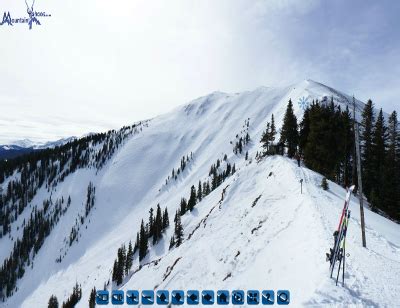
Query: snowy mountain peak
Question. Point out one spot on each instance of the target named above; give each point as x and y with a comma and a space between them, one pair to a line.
252, 228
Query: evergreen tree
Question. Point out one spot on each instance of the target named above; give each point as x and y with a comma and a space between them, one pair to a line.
289, 133
120, 265
129, 259
143, 242
157, 225
53, 302
272, 132
265, 137
368, 119
137, 243
305, 129
92, 298
171, 242
378, 151
165, 219
392, 169
323, 138
183, 206
151, 223
199, 192
348, 129
115, 271
178, 231
192, 199
74, 298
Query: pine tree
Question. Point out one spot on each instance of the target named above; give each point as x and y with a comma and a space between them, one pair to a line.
348, 148
323, 138
165, 219
143, 242
289, 133
129, 259
137, 243
183, 206
53, 302
92, 298
272, 132
199, 192
368, 119
378, 151
392, 168
151, 223
305, 129
120, 265
178, 231
157, 225
265, 137
171, 242
192, 199
115, 271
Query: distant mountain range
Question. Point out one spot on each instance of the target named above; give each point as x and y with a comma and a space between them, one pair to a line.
25, 146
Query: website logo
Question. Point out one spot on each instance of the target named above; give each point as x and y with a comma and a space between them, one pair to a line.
31, 20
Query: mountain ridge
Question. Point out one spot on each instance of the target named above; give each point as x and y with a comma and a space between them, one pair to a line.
135, 178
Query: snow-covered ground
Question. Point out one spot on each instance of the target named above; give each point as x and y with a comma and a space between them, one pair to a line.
279, 243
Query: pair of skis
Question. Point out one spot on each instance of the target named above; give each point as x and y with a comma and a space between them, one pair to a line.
338, 253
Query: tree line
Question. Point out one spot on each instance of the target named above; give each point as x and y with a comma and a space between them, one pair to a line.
324, 139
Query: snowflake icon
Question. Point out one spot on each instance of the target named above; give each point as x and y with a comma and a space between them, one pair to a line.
303, 103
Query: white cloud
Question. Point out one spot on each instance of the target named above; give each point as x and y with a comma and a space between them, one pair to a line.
108, 64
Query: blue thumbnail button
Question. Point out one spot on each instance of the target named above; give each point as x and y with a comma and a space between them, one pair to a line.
253, 297
148, 297
162, 297
102, 297
283, 297
222, 297
237, 297
192, 297
177, 297
132, 297
207, 297
267, 297
117, 297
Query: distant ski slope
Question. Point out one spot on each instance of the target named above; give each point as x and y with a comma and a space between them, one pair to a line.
281, 241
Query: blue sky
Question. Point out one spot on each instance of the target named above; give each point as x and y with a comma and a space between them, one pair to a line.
98, 64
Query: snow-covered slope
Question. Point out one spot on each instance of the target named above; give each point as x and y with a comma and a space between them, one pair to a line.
279, 243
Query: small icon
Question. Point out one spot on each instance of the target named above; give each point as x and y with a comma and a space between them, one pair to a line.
283, 297
253, 297
237, 297
117, 297
192, 297
177, 297
207, 297
102, 297
162, 297
267, 297
148, 297
303, 103
132, 297
222, 297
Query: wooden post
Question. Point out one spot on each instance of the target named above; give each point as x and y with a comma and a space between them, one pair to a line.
301, 186
359, 190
